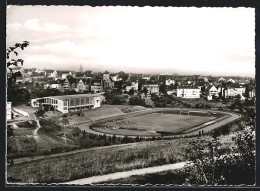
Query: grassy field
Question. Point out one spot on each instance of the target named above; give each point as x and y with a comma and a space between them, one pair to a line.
104, 112
102, 160
152, 123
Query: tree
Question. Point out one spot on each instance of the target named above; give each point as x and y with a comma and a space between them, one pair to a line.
40, 112
114, 139
9, 131
11, 76
145, 91
162, 88
137, 101
131, 91
117, 101
219, 166
52, 108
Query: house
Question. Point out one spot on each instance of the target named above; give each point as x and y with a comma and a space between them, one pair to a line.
232, 81
46, 86
64, 76
96, 85
130, 85
151, 87
169, 82
81, 87
8, 110
66, 84
55, 86
233, 90
114, 77
220, 88
53, 75
212, 91
170, 91
107, 82
188, 92
251, 91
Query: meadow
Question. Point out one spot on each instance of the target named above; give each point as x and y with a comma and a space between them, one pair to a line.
101, 160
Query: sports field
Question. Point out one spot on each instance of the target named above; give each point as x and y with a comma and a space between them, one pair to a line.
152, 124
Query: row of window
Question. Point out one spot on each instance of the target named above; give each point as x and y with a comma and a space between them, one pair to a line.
82, 101
50, 101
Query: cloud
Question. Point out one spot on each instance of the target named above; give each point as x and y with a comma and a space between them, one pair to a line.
151, 38
34, 24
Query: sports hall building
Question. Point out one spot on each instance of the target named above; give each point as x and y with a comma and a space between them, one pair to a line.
65, 103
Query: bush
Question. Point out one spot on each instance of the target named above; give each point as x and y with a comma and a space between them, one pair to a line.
223, 167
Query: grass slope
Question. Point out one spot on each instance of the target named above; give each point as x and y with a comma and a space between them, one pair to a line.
102, 160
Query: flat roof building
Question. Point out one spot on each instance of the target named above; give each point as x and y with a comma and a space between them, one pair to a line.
66, 103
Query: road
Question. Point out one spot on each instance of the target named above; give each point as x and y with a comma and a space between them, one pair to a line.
125, 174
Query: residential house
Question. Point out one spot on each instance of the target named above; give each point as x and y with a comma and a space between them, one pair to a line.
53, 75
232, 81
220, 88
55, 86
188, 92
115, 78
130, 85
251, 91
170, 91
8, 110
66, 84
169, 82
233, 90
151, 87
64, 76
81, 87
96, 85
221, 80
212, 91
107, 82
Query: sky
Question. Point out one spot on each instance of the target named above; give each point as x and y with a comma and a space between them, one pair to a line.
206, 41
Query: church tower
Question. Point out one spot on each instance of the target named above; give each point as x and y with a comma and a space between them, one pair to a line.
81, 69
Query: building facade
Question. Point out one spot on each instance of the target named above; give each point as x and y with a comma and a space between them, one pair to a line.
168, 82
188, 92
8, 110
212, 91
151, 88
66, 103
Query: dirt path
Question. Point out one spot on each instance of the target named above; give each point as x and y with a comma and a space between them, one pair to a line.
35, 132
125, 174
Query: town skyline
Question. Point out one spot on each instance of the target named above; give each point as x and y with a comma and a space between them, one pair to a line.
186, 41
75, 70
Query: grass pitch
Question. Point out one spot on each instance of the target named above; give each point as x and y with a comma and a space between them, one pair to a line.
152, 124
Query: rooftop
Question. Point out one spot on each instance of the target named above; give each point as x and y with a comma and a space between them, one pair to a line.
187, 87
67, 97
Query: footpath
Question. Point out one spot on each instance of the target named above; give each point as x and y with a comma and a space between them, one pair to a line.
125, 174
